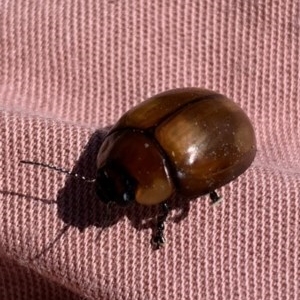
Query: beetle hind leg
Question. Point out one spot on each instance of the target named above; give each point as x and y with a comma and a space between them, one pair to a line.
215, 198
158, 238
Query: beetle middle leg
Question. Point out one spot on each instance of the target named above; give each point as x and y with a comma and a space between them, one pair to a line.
158, 239
215, 198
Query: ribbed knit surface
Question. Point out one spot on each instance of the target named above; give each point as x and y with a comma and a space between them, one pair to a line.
68, 70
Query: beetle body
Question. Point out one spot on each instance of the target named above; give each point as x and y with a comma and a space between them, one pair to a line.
183, 142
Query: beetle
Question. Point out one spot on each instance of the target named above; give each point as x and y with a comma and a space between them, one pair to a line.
181, 143
184, 143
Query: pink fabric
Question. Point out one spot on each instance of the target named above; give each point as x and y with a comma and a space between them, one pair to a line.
68, 68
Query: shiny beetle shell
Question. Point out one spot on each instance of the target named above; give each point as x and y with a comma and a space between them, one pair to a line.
183, 142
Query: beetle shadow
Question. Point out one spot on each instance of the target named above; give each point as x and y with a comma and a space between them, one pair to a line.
77, 203
79, 206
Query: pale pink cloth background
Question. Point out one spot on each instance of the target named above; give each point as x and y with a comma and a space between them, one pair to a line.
68, 68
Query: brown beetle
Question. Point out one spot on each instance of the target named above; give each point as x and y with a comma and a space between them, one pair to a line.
181, 143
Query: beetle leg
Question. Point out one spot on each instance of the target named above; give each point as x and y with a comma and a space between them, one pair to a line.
215, 198
158, 239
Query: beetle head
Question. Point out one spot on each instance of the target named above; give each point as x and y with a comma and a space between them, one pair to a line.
115, 184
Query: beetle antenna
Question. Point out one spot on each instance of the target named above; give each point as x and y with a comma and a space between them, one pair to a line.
58, 169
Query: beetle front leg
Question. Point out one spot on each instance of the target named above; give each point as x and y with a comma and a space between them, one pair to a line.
215, 198
158, 239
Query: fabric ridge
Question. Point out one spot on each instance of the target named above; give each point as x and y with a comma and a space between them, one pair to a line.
68, 71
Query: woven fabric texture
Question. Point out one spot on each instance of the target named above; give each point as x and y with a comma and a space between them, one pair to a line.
68, 70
